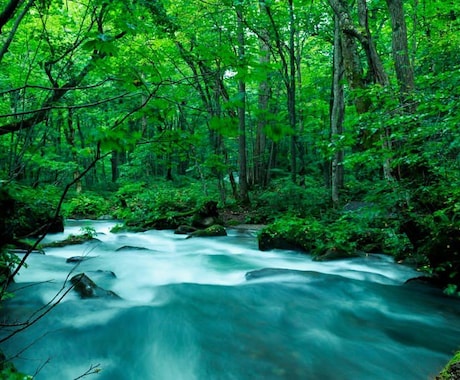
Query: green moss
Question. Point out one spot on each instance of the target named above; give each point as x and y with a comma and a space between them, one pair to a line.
70, 240
334, 236
447, 373
215, 230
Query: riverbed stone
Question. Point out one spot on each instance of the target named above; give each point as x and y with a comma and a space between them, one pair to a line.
215, 230
87, 288
268, 240
78, 259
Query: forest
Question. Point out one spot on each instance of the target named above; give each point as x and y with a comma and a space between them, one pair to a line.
335, 124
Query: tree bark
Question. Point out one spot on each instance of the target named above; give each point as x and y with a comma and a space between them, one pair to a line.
243, 181
351, 61
400, 49
291, 92
260, 155
337, 112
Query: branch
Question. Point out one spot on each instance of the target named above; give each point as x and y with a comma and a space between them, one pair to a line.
13, 3
47, 308
39, 87
42, 114
58, 93
279, 44
8, 13
93, 369
79, 106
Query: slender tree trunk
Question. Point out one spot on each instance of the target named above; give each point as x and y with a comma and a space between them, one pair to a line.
260, 155
243, 181
114, 165
70, 136
291, 90
376, 73
288, 71
337, 112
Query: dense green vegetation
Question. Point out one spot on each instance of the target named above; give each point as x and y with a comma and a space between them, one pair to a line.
335, 123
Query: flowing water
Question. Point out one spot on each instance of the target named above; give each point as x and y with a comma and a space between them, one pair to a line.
188, 311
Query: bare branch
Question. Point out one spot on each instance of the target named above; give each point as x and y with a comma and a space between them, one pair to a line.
92, 370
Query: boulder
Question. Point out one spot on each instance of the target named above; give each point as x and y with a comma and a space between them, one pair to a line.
214, 230
87, 288
206, 216
268, 240
131, 248
78, 259
71, 240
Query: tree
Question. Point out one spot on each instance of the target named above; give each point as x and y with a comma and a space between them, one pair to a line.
337, 114
243, 177
400, 50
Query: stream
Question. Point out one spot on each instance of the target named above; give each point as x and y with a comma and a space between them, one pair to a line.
218, 308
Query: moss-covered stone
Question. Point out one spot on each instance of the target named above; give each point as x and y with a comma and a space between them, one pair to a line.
215, 230
452, 370
70, 240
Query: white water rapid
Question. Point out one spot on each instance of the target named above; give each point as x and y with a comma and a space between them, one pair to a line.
189, 310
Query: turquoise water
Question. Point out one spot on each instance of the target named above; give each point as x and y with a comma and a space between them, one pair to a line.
190, 311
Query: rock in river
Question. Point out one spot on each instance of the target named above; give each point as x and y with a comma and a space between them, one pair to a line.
87, 288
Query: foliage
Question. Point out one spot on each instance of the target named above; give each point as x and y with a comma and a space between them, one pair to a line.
9, 372
88, 233
283, 197
345, 233
87, 205
33, 208
141, 202
147, 95
8, 261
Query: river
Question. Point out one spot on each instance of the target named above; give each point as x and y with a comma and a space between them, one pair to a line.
205, 309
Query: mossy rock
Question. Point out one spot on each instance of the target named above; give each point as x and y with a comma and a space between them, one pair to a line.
335, 254
269, 240
451, 370
70, 240
215, 230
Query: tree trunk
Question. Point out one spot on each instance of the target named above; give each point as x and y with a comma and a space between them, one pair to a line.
291, 89
70, 137
353, 68
400, 50
243, 181
337, 112
376, 72
351, 61
260, 155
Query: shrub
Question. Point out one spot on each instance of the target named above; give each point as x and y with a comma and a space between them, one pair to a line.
86, 205
283, 197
